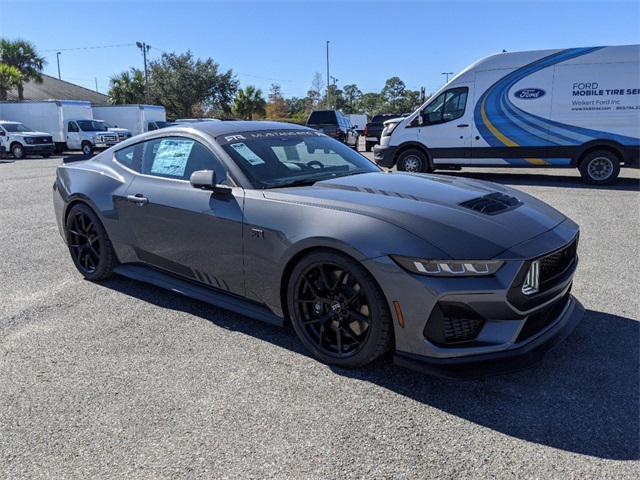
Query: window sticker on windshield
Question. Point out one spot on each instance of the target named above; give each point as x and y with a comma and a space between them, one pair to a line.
247, 154
171, 157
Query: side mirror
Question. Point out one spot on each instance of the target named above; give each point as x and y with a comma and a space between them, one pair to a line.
2, 134
206, 180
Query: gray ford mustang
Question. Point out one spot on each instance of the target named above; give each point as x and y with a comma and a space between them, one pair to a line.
282, 223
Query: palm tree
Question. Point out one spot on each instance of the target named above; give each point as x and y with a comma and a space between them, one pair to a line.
249, 102
22, 55
9, 79
127, 87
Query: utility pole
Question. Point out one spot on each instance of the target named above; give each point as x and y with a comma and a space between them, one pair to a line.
423, 94
96, 79
58, 59
145, 48
447, 74
328, 78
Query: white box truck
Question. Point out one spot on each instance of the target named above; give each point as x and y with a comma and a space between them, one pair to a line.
69, 122
576, 107
358, 121
136, 118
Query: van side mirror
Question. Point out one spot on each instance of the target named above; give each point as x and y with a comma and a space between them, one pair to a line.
206, 180
2, 134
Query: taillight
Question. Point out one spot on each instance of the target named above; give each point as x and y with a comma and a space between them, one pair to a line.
366, 130
338, 132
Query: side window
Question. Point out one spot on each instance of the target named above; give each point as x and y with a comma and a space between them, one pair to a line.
178, 158
130, 156
445, 107
151, 126
454, 104
72, 127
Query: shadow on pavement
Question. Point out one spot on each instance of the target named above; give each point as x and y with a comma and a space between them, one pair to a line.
583, 397
545, 180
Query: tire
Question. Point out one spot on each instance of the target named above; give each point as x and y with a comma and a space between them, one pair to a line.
413, 160
368, 146
600, 167
87, 148
17, 151
88, 243
341, 317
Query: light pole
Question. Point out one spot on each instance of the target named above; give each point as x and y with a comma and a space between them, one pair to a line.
145, 48
58, 59
447, 74
328, 78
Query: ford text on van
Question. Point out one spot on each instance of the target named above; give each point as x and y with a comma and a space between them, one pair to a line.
577, 107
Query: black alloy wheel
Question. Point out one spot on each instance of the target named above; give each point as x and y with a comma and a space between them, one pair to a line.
88, 243
338, 311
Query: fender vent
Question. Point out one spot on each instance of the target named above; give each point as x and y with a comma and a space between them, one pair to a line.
492, 204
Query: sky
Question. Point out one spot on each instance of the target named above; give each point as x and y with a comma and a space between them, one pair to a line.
285, 42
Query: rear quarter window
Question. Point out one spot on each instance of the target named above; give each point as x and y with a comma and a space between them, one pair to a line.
322, 117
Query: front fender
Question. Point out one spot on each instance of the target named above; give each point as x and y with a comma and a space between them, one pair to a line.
276, 233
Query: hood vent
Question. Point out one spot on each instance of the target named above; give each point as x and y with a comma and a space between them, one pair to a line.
492, 204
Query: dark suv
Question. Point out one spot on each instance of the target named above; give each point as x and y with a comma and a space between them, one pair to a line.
334, 124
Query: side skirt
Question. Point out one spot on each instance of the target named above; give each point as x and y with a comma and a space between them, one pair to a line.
197, 292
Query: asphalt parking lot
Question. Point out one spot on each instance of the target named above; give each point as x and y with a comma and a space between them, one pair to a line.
124, 380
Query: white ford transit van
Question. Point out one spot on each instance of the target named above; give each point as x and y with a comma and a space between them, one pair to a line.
577, 107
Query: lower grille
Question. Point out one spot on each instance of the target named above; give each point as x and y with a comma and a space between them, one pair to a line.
453, 323
42, 140
539, 321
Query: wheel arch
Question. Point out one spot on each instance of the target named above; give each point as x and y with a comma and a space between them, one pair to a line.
293, 259
607, 145
403, 147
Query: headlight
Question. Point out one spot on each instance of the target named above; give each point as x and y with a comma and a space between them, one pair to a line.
449, 268
389, 128
28, 140
97, 139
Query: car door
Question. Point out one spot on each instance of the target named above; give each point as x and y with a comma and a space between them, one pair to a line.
73, 136
446, 126
189, 232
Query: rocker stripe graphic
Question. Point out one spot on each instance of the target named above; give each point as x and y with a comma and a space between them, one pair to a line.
501, 123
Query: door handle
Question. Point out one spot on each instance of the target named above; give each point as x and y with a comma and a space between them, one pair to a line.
137, 199
462, 125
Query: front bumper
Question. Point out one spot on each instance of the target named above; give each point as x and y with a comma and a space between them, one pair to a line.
385, 156
46, 149
505, 326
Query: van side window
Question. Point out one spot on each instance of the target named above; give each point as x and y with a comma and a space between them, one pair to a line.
447, 106
72, 127
151, 126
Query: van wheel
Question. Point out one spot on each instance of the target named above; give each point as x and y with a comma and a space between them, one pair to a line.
87, 148
18, 151
600, 167
368, 146
413, 160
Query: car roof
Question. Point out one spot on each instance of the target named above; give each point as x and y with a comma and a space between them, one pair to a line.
215, 129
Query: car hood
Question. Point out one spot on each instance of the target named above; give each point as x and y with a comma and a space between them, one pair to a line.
429, 206
32, 134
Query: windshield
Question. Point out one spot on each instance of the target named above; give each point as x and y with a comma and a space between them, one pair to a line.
16, 127
279, 158
92, 126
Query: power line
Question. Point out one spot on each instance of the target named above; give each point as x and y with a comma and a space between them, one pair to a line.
89, 48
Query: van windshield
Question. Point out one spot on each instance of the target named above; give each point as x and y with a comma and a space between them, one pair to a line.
16, 127
92, 126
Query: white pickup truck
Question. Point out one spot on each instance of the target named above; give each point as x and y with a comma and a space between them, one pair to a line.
19, 140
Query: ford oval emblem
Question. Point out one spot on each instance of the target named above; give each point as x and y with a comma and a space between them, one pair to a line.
529, 93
